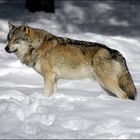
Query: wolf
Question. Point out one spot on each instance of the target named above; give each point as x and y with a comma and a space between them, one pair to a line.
57, 57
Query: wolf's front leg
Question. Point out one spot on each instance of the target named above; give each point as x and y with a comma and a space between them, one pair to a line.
49, 84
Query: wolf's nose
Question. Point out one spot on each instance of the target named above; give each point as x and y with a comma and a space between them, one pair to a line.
7, 49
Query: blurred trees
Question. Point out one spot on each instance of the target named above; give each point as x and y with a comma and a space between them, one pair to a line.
40, 5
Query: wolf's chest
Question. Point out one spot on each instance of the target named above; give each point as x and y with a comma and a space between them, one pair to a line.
37, 67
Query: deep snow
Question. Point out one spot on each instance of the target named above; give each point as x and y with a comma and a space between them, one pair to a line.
80, 108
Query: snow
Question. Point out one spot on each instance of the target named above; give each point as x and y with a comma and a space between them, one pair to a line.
79, 109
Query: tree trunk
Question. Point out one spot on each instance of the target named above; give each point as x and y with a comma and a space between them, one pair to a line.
40, 5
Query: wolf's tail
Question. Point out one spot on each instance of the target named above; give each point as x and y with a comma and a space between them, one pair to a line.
125, 80
126, 84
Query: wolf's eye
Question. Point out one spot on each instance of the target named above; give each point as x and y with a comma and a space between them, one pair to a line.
16, 40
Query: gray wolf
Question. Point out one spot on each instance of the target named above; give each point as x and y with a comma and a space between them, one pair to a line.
59, 57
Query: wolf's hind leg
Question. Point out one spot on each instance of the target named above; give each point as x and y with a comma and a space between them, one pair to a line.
107, 75
112, 86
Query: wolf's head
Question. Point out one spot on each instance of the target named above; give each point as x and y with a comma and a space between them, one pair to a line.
18, 38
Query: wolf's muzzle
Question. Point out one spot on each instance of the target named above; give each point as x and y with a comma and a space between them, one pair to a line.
7, 49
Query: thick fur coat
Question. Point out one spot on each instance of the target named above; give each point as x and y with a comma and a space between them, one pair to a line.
57, 57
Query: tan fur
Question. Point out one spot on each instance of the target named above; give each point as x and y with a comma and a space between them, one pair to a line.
56, 57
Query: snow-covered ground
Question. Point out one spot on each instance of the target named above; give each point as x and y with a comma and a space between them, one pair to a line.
79, 109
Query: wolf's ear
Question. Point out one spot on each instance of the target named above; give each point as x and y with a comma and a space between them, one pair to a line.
11, 26
25, 28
